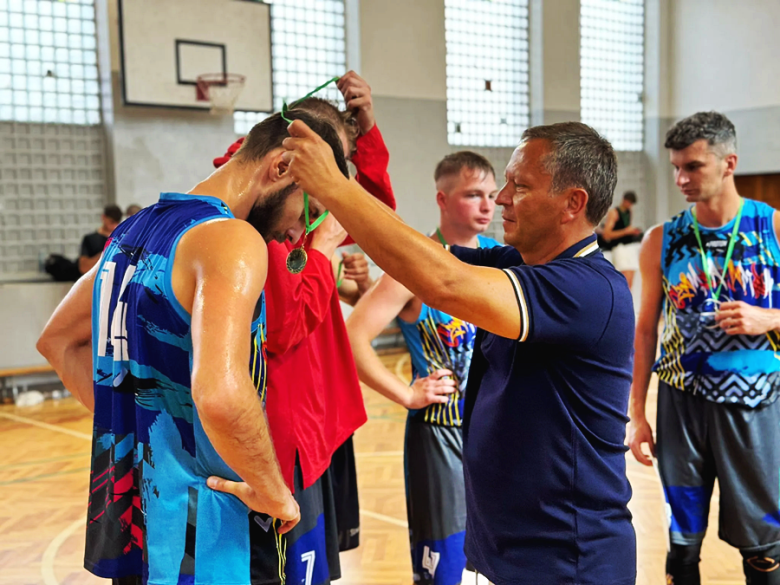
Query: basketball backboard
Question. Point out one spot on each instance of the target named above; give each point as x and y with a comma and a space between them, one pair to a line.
166, 44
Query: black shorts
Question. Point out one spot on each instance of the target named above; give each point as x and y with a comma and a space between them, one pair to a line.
343, 475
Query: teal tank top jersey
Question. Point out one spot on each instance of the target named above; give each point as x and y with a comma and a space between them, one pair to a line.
696, 355
438, 341
150, 511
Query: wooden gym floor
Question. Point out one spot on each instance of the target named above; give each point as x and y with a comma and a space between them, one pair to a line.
44, 471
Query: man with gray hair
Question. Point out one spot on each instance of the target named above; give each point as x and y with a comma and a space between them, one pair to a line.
544, 425
714, 270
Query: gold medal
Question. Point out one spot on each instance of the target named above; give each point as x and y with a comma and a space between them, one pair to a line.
296, 260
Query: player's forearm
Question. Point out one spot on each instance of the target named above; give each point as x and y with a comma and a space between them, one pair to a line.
235, 424
86, 263
374, 374
644, 357
73, 364
774, 319
349, 293
363, 286
431, 274
325, 246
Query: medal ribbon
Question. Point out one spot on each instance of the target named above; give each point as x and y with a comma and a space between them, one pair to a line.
285, 109
441, 237
729, 251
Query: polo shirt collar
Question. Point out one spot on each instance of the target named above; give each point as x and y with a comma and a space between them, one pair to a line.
586, 247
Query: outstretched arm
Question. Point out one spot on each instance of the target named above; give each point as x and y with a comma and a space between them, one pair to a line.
482, 296
66, 341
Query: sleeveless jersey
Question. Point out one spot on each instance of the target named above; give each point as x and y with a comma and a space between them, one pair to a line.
150, 511
438, 341
697, 356
623, 221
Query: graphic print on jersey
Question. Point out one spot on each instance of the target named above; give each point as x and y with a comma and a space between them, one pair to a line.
149, 447
696, 355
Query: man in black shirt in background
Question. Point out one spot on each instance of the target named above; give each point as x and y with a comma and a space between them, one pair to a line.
623, 238
92, 245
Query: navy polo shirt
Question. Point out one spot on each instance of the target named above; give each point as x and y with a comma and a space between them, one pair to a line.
545, 423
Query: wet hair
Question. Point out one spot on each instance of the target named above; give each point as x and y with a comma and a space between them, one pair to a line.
269, 134
714, 127
342, 121
579, 158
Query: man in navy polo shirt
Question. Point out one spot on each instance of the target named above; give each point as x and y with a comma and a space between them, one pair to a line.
544, 457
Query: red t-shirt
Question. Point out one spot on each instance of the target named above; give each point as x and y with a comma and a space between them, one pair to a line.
314, 402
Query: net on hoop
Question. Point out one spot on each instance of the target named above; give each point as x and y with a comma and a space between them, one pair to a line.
221, 89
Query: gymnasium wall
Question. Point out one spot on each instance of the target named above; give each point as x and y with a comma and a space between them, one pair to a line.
710, 55
153, 149
692, 63
725, 59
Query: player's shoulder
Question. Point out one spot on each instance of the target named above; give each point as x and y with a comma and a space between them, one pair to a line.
225, 241
227, 230
653, 240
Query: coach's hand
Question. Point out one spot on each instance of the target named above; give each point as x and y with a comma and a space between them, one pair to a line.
357, 95
284, 509
433, 389
310, 162
738, 318
639, 433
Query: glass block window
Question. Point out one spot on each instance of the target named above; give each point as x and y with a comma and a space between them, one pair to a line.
487, 71
308, 46
243, 122
48, 62
612, 69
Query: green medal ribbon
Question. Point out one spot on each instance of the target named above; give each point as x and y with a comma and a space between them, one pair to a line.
441, 237
296, 260
285, 108
339, 278
729, 251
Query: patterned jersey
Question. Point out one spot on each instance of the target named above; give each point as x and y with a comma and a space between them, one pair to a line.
150, 512
696, 355
438, 341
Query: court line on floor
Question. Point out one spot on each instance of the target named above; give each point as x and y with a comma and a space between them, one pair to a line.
43, 461
44, 476
50, 554
399, 368
47, 426
383, 518
380, 454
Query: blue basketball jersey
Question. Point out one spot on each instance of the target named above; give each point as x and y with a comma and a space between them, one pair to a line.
150, 511
439, 341
696, 355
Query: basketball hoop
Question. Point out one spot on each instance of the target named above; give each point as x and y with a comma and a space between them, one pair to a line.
221, 89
